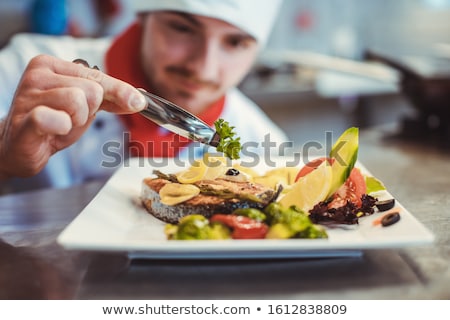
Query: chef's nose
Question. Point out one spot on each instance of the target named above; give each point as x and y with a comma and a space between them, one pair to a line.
207, 60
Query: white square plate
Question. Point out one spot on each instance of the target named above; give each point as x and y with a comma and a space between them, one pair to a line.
116, 221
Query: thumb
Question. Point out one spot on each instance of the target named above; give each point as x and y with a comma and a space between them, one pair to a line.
28, 150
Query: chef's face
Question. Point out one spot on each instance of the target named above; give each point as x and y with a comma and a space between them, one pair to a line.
193, 60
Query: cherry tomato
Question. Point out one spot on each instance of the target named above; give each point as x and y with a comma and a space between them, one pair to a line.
352, 190
242, 227
310, 166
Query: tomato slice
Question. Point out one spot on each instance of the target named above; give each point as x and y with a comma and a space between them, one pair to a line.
243, 227
312, 165
352, 190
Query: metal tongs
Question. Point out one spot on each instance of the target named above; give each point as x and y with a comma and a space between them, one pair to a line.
173, 118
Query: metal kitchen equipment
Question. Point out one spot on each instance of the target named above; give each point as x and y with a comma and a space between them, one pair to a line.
173, 118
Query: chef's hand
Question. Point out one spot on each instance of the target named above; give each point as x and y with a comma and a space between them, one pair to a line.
54, 104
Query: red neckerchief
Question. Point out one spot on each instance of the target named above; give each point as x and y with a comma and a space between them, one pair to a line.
146, 138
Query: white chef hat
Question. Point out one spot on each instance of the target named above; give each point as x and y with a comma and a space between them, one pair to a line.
255, 17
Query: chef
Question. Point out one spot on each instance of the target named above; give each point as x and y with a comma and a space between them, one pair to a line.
191, 52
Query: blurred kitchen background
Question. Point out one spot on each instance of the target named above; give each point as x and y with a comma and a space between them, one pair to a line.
328, 65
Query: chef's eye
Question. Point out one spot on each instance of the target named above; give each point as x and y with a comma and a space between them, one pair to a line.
240, 42
181, 27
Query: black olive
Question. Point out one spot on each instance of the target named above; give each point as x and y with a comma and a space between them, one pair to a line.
390, 219
232, 172
385, 204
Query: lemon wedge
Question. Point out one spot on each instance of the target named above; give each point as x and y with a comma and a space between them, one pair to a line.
215, 166
210, 159
284, 176
287, 175
310, 189
195, 173
208, 168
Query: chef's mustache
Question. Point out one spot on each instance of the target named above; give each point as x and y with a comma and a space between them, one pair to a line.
192, 76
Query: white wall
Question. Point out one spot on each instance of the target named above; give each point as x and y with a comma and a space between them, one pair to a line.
346, 27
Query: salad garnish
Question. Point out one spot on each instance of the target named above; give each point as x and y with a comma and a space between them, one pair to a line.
347, 214
228, 144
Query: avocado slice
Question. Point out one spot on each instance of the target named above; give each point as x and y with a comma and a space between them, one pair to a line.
344, 152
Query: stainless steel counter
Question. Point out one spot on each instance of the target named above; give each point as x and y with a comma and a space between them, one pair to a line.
33, 266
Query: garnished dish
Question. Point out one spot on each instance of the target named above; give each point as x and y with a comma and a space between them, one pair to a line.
313, 212
217, 198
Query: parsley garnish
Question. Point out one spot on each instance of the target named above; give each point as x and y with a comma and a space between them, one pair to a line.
229, 145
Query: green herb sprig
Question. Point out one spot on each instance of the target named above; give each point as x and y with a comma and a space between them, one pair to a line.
228, 144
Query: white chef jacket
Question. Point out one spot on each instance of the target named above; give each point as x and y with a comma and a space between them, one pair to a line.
86, 159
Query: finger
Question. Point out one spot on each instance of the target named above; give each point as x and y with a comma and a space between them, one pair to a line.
114, 108
44, 121
71, 100
119, 93
47, 121
43, 82
66, 140
119, 96
94, 94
